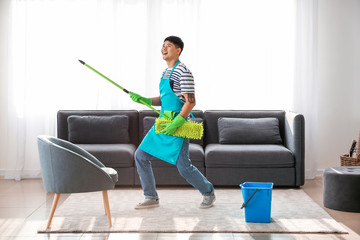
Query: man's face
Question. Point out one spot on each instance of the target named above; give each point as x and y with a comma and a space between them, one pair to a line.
169, 51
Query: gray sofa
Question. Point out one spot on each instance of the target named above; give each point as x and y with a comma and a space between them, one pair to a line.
238, 145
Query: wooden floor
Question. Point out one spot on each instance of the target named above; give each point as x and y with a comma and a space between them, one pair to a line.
24, 205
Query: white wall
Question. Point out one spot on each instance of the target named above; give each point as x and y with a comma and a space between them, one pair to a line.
4, 15
339, 78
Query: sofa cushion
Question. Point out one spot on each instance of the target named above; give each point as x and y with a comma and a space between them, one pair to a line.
246, 155
196, 154
112, 155
197, 141
98, 129
148, 122
249, 131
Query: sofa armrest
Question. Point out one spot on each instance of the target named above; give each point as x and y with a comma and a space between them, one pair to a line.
295, 142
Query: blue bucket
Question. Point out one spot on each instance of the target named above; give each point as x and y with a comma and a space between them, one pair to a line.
257, 201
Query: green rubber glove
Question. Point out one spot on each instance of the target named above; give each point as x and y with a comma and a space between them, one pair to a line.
136, 98
171, 127
170, 114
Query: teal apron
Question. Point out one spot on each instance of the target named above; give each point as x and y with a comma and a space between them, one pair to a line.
165, 147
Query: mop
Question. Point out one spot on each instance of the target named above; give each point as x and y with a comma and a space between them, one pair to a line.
189, 129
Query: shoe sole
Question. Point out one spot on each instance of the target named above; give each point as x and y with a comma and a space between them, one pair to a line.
209, 206
147, 206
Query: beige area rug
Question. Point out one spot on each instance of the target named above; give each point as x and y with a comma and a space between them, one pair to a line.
292, 212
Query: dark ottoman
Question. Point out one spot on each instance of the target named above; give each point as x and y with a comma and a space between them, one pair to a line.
342, 188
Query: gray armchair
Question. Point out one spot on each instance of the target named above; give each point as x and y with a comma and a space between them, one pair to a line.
67, 168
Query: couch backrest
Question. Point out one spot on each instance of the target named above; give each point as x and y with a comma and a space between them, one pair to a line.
142, 115
211, 119
136, 127
133, 115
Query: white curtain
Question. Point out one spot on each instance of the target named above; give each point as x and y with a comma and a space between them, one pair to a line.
306, 80
241, 53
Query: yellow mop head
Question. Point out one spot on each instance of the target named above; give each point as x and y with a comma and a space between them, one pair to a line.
189, 129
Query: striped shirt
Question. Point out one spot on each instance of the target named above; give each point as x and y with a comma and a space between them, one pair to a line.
181, 80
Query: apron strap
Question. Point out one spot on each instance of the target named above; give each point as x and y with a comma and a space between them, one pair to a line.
192, 115
177, 62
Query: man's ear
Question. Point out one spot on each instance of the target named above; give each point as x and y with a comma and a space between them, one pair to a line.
178, 50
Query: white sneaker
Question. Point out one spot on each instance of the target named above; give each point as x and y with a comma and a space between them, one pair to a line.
148, 203
208, 201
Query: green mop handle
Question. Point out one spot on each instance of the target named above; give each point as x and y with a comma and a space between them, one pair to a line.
83, 63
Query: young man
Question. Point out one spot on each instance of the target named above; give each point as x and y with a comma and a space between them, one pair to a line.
177, 99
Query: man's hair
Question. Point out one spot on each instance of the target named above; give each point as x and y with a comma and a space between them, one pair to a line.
176, 41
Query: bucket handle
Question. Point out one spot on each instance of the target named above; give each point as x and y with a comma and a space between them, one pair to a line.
244, 204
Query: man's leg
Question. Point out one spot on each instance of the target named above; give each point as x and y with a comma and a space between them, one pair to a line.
144, 169
190, 173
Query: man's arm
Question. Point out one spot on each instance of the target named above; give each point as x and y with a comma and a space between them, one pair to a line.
189, 104
156, 101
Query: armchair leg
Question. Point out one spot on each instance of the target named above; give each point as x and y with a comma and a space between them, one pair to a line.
107, 206
53, 207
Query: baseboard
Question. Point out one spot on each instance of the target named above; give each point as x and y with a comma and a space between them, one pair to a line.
319, 172
309, 174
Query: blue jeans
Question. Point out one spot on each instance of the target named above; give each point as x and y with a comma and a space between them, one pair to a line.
188, 171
